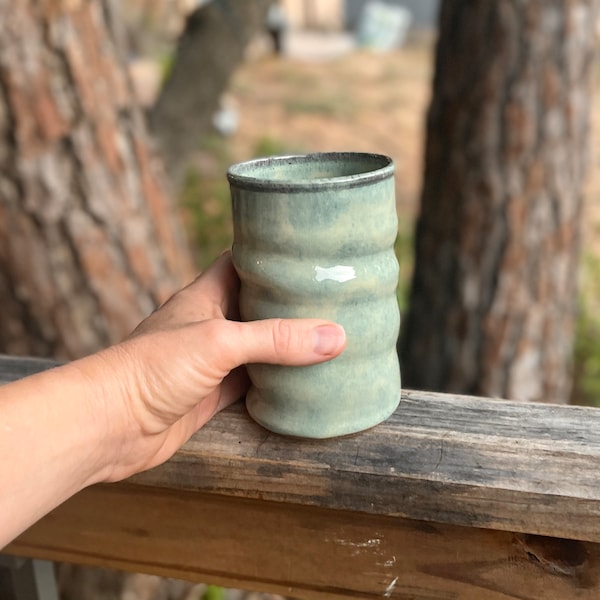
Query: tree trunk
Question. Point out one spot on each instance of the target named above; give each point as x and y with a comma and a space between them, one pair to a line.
494, 289
89, 241
209, 50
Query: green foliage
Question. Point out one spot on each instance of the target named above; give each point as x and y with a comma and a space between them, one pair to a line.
587, 336
165, 63
206, 203
405, 252
208, 214
213, 592
269, 146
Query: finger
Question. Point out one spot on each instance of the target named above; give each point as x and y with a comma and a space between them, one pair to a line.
280, 341
217, 286
213, 294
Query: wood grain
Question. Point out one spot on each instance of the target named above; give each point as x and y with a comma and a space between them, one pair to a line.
453, 497
307, 552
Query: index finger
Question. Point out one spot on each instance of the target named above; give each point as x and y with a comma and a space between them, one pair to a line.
212, 295
218, 285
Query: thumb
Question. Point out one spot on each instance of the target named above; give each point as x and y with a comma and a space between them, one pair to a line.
294, 342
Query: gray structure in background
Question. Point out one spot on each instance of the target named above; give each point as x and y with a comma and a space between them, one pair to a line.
424, 12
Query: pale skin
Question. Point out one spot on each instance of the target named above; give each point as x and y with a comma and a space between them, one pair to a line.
130, 407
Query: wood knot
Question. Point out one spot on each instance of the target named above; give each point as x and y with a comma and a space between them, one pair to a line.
555, 555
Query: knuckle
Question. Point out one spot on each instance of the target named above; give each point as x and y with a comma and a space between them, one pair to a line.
285, 338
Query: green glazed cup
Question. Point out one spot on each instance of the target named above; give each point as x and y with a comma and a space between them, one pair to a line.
314, 237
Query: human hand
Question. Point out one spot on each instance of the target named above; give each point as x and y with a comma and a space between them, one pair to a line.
183, 364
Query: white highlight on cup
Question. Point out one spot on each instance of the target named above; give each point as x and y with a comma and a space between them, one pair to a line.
339, 273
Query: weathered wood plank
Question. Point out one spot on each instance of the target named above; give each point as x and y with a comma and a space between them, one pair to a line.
444, 459
307, 552
526, 468
15, 367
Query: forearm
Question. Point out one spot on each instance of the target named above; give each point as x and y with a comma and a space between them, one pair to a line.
52, 444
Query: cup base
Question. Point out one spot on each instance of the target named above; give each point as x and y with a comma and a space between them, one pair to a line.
313, 428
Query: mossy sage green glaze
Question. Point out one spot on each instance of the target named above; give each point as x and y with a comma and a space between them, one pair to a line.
313, 237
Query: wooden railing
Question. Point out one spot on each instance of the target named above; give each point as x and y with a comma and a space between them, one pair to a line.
452, 498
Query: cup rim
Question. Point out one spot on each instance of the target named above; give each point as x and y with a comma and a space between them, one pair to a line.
238, 176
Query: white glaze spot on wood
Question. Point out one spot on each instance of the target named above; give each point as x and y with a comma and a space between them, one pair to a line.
391, 562
390, 588
361, 547
372, 543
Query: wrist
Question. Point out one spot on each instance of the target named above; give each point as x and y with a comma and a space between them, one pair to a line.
104, 397
85, 422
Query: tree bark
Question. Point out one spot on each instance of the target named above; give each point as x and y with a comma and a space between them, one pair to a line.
209, 50
494, 288
89, 240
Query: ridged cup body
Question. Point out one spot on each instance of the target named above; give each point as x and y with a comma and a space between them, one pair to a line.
313, 237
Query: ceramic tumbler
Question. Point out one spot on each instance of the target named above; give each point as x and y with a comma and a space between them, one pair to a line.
314, 237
